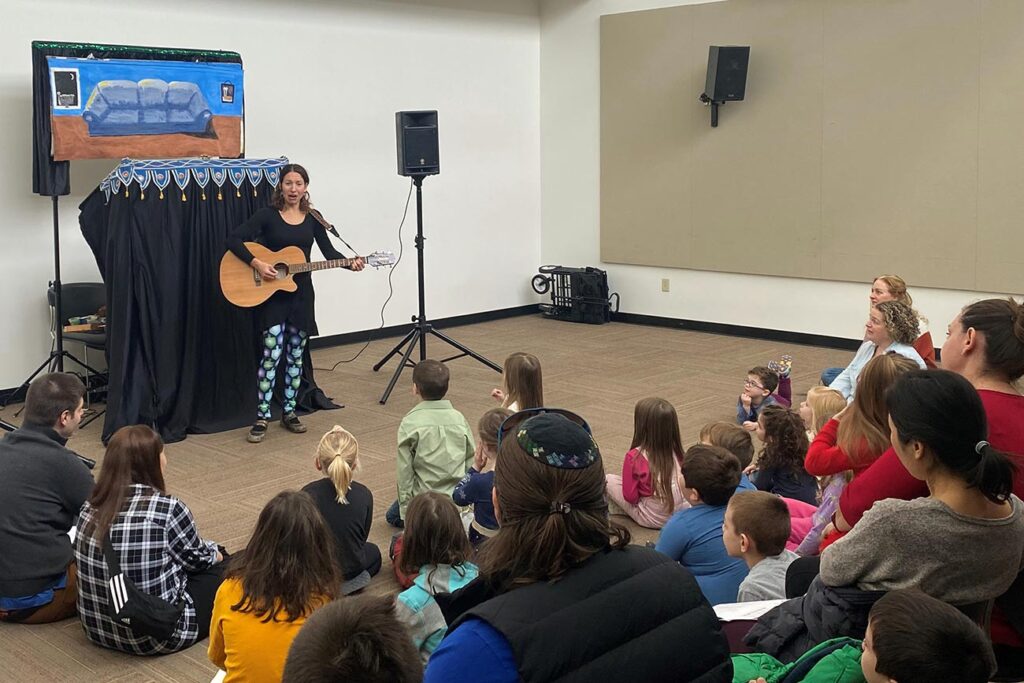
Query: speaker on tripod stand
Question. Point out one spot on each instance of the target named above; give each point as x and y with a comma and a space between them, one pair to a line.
418, 157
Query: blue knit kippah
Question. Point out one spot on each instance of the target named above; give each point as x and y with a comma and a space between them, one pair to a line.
557, 441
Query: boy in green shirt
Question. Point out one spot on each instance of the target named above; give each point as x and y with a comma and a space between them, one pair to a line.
435, 442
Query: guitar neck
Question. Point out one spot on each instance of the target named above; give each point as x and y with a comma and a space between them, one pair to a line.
320, 265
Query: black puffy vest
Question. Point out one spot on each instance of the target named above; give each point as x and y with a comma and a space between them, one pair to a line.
623, 615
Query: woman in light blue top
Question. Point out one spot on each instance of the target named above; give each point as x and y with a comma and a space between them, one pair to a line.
891, 328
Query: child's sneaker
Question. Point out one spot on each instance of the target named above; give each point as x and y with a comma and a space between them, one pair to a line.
782, 366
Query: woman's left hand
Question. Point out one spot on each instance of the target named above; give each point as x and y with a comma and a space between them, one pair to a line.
358, 264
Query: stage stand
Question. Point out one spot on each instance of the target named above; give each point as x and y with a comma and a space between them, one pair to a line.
55, 361
421, 326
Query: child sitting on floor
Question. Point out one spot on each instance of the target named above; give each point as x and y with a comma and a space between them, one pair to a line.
648, 490
758, 393
355, 639
522, 386
286, 572
780, 467
435, 549
822, 405
435, 442
477, 486
347, 508
737, 441
693, 537
911, 638
756, 529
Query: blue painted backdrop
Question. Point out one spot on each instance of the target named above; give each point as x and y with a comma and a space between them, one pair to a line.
207, 75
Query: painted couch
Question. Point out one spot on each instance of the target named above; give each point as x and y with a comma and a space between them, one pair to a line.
149, 107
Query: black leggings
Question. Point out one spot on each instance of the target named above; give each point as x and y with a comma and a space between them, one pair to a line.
202, 586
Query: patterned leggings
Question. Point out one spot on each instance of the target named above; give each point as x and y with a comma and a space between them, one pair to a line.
273, 346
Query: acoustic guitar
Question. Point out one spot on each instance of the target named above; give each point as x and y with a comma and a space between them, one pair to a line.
245, 287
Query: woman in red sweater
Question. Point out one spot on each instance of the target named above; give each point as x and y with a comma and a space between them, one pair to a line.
854, 438
985, 344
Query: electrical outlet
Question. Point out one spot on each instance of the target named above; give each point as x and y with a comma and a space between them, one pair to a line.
664, 284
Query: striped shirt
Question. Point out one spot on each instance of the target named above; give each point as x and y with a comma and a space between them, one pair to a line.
157, 544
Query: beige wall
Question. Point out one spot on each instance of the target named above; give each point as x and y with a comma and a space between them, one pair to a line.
875, 137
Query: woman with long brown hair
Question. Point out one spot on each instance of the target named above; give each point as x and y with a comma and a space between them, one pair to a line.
858, 435
560, 574
286, 572
648, 491
286, 319
155, 539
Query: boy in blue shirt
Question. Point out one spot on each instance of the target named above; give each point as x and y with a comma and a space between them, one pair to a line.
693, 536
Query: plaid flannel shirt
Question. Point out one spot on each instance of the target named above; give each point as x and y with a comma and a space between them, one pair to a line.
157, 544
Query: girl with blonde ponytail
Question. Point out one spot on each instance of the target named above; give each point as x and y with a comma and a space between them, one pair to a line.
346, 506
337, 456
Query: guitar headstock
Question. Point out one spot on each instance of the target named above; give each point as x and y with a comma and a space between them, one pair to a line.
380, 259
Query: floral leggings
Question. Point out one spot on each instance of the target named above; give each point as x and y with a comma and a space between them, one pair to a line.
274, 344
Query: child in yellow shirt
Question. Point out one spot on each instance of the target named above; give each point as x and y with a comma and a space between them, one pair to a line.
287, 571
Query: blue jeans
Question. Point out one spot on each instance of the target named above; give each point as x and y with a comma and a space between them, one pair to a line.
393, 517
829, 375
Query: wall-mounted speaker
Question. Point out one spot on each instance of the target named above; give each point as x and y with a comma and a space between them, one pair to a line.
727, 73
416, 133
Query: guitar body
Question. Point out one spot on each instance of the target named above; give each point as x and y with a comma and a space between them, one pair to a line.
241, 284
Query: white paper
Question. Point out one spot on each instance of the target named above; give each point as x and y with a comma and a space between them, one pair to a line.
745, 611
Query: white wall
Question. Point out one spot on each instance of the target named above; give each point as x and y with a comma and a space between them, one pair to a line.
323, 80
570, 175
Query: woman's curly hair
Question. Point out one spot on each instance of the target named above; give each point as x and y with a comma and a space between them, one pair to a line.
785, 440
901, 321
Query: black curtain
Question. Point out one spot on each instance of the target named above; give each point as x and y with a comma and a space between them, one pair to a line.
51, 178
181, 358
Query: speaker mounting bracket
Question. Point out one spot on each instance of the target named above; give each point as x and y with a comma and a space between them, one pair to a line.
708, 102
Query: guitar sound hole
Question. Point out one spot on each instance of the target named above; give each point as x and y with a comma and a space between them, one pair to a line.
282, 270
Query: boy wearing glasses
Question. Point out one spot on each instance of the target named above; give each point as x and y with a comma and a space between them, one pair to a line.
758, 392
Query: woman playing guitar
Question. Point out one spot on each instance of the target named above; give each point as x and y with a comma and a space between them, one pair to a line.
287, 318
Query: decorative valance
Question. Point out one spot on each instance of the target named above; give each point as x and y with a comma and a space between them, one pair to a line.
183, 172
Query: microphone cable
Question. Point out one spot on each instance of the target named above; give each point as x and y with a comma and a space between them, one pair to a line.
391, 286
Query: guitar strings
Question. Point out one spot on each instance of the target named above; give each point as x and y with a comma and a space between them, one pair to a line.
391, 286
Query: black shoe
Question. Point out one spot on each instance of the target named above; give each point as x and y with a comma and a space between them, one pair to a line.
257, 432
291, 422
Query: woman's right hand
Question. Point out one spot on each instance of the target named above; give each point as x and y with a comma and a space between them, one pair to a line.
498, 395
266, 271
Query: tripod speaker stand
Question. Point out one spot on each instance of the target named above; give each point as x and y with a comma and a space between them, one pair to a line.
421, 326
55, 361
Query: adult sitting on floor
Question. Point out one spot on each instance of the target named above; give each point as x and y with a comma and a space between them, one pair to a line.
153, 537
985, 344
42, 487
883, 288
891, 328
571, 599
962, 544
